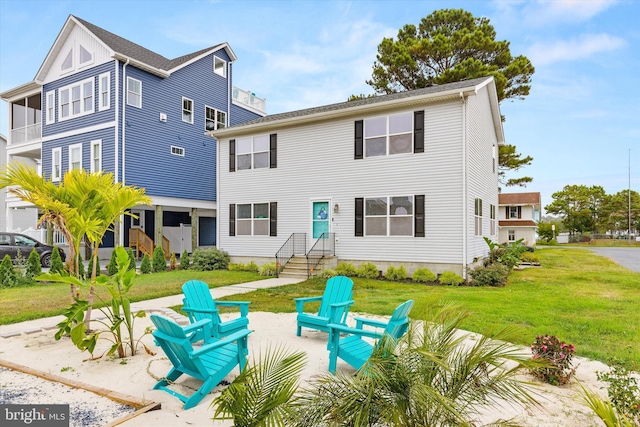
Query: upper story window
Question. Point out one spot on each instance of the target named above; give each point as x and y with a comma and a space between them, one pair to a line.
386, 135
96, 155
76, 99
104, 91
478, 217
75, 156
85, 56
51, 106
514, 212
67, 64
134, 92
253, 153
214, 119
220, 66
187, 110
56, 164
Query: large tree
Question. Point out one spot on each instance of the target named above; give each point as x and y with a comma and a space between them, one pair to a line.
580, 206
448, 46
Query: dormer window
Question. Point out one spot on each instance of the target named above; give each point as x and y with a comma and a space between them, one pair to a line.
220, 66
67, 64
85, 56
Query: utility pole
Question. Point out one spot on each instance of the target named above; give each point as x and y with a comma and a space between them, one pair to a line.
629, 195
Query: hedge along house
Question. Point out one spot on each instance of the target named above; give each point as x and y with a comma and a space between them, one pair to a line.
402, 179
103, 103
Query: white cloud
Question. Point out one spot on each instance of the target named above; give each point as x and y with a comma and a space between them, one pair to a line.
583, 47
546, 13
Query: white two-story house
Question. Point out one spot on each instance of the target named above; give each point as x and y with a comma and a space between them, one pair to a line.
519, 214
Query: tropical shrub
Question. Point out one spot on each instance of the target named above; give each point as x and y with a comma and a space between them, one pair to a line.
495, 274
424, 275
111, 267
34, 268
145, 264
184, 260
159, 260
557, 355
346, 269
605, 410
90, 267
210, 259
623, 390
450, 278
8, 277
393, 273
56, 262
173, 261
328, 273
368, 270
268, 269
132, 259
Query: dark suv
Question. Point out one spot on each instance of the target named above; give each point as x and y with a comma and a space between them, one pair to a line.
11, 243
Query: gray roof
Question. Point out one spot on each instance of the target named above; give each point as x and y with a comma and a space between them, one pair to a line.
137, 52
367, 101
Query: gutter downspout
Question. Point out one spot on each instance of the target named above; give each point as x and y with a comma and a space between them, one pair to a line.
465, 215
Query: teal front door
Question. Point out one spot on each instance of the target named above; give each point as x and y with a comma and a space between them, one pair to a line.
320, 219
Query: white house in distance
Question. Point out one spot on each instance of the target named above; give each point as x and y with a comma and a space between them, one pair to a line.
402, 179
519, 214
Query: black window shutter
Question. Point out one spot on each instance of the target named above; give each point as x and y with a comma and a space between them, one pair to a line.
273, 219
359, 217
232, 155
232, 220
418, 131
273, 151
359, 140
507, 208
519, 212
419, 216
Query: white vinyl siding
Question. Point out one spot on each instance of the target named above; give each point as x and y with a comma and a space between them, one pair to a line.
96, 155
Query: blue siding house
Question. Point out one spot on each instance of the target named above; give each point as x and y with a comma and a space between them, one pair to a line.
101, 102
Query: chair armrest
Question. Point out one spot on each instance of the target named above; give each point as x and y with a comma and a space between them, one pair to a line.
354, 331
360, 321
207, 347
341, 308
196, 325
243, 305
301, 301
199, 310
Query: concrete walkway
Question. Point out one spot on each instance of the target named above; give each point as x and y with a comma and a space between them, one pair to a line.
158, 305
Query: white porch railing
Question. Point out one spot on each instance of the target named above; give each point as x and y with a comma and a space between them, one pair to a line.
40, 234
27, 133
249, 98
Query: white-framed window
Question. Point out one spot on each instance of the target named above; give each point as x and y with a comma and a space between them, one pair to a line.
252, 153
56, 164
50, 106
67, 64
177, 151
76, 99
75, 156
388, 135
219, 66
96, 155
389, 216
85, 56
478, 217
104, 91
214, 119
512, 235
252, 219
134, 92
187, 110
513, 212
492, 220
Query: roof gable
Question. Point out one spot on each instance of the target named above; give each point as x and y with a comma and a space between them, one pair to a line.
532, 198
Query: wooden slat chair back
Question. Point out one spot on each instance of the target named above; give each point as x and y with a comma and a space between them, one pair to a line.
210, 363
352, 348
199, 305
338, 292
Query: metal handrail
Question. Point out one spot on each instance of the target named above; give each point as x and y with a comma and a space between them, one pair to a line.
325, 245
295, 244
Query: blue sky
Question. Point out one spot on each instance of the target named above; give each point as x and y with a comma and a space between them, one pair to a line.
578, 123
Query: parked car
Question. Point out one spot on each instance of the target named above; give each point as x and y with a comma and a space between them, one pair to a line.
11, 243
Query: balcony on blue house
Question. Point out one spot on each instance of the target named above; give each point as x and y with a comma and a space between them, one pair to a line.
25, 138
246, 98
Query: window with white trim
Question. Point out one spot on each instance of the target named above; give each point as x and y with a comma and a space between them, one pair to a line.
214, 119
252, 153
177, 151
104, 91
512, 235
96, 155
478, 217
75, 156
220, 66
56, 164
134, 92
252, 219
85, 56
76, 99
388, 216
388, 135
187, 110
492, 220
513, 212
50, 107
67, 64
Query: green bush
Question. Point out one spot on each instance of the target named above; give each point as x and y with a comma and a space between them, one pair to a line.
8, 277
56, 262
210, 259
495, 275
34, 268
184, 260
145, 265
268, 269
159, 260
328, 273
346, 269
557, 355
132, 259
368, 270
393, 273
90, 266
111, 267
450, 278
252, 266
529, 257
424, 275
623, 390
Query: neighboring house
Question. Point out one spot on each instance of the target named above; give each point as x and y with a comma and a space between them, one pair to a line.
402, 179
101, 102
519, 214
3, 192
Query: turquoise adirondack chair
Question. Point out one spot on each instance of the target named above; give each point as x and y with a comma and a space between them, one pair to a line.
210, 363
352, 348
338, 292
199, 304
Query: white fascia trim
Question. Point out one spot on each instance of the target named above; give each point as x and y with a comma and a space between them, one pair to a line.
21, 91
80, 131
182, 203
224, 46
141, 65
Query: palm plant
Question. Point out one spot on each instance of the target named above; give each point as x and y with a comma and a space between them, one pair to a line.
604, 409
263, 393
